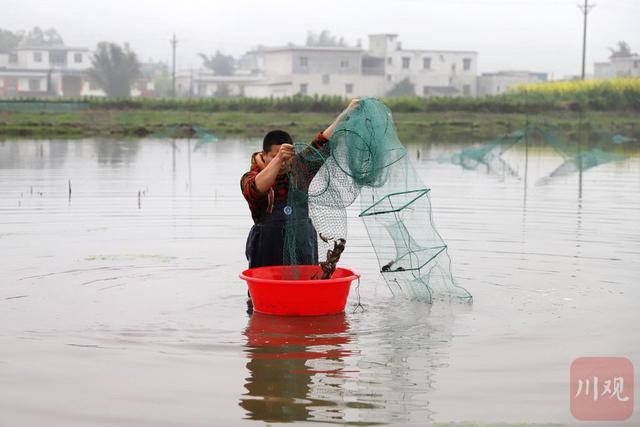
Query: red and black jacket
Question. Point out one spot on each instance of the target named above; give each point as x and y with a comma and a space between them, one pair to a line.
261, 204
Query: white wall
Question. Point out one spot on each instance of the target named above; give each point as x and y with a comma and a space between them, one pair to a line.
84, 57
445, 69
497, 84
337, 84
26, 59
626, 67
278, 64
23, 84
602, 70
264, 90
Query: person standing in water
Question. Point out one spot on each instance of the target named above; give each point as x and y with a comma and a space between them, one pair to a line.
265, 187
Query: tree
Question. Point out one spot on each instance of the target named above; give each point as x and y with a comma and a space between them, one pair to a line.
220, 64
324, 38
9, 40
623, 50
114, 68
38, 37
402, 88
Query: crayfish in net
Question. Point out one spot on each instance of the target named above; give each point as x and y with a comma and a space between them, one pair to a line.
328, 267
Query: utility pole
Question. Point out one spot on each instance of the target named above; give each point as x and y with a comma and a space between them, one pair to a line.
586, 8
173, 42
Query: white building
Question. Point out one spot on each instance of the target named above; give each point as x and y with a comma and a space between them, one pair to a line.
491, 84
44, 70
54, 71
432, 72
618, 66
312, 71
354, 71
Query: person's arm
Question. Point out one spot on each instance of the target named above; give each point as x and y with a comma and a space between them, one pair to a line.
267, 176
328, 132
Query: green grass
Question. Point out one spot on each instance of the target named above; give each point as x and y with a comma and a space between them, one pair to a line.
421, 126
592, 95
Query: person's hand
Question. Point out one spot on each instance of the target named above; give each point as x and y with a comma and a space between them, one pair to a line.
353, 104
285, 153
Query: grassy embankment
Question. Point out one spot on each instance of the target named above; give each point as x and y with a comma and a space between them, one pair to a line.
612, 104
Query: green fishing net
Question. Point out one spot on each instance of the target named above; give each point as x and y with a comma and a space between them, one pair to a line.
589, 147
365, 159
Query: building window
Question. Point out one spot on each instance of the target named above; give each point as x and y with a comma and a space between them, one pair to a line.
406, 62
13, 58
202, 89
37, 56
77, 58
58, 57
425, 90
325, 79
304, 61
466, 90
426, 63
390, 61
348, 88
636, 64
388, 77
303, 88
344, 63
34, 85
466, 64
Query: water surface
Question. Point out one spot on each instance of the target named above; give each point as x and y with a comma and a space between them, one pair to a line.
120, 302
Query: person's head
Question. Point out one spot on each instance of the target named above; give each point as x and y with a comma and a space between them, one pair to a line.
272, 142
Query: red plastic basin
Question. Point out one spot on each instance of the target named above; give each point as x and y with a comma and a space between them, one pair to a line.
289, 291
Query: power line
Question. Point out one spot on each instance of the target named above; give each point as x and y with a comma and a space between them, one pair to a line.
586, 8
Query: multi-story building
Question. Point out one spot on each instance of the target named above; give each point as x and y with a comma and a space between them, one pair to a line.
432, 72
354, 71
312, 71
54, 71
44, 70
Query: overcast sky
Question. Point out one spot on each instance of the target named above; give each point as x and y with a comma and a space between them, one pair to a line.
535, 35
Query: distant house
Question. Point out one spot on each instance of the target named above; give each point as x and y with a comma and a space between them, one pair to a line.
30, 70
432, 72
44, 70
497, 83
620, 64
311, 70
354, 71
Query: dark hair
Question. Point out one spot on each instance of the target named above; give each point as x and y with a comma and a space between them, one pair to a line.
275, 137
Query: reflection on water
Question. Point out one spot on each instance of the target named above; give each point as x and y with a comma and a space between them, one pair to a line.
553, 270
282, 386
372, 368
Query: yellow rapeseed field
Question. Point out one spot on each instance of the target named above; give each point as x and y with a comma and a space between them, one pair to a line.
575, 87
